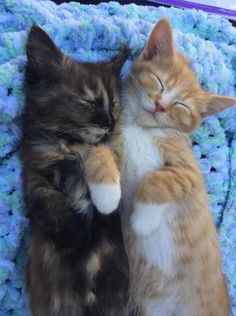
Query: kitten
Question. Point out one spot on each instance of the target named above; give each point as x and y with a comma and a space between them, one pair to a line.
170, 236
77, 261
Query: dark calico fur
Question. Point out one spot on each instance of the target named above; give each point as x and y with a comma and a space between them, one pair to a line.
77, 262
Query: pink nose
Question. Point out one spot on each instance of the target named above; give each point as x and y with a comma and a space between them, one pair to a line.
159, 107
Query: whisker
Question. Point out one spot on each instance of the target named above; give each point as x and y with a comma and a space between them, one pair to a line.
138, 86
140, 89
65, 132
173, 125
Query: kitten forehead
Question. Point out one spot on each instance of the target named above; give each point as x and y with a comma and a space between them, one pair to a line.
100, 87
100, 91
104, 95
90, 94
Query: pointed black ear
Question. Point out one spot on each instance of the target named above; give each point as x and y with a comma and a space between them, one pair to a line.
118, 61
42, 54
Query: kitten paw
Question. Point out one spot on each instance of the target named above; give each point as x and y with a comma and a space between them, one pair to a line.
106, 197
146, 218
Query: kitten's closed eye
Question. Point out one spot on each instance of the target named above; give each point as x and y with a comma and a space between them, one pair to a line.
160, 83
154, 83
181, 104
91, 103
181, 113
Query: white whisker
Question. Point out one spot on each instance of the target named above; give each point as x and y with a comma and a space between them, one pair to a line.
66, 132
140, 89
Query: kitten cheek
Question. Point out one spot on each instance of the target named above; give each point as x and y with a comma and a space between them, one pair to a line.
106, 197
181, 115
146, 218
147, 104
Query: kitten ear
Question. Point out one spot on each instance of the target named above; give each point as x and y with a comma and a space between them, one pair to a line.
217, 103
118, 61
160, 42
42, 54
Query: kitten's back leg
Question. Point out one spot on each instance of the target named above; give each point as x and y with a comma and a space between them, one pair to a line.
49, 282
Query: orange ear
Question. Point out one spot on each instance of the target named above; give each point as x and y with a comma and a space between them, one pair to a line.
160, 42
217, 103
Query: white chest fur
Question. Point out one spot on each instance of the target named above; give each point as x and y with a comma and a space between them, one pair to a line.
140, 157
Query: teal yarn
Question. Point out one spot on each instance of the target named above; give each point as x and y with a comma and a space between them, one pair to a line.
90, 33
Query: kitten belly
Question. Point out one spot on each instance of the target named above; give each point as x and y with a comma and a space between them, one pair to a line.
141, 156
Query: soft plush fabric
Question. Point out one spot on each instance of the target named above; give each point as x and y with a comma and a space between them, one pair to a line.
96, 32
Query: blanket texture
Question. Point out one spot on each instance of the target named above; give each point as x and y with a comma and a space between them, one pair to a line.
92, 33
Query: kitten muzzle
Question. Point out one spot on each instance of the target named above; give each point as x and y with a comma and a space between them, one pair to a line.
159, 107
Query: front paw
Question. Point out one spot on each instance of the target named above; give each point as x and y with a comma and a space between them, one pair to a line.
106, 197
146, 217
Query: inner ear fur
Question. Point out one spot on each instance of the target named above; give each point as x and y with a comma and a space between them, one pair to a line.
160, 43
217, 103
44, 57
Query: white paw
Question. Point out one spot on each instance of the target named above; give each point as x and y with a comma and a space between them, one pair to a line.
106, 197
146, 217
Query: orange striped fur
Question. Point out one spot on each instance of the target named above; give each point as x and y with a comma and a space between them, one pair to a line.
101, 166
171, 239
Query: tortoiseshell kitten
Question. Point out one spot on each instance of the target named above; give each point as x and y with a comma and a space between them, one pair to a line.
77, 261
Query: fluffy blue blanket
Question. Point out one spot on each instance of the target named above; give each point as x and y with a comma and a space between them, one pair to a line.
96, 32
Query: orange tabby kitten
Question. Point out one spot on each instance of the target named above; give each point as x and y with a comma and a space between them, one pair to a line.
171, 240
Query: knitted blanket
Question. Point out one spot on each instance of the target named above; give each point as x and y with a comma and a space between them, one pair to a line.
93, 33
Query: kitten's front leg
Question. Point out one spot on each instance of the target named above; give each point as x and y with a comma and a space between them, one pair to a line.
160, 189
103, 179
